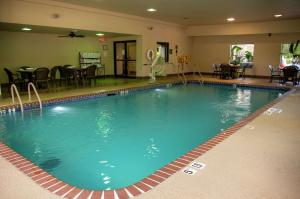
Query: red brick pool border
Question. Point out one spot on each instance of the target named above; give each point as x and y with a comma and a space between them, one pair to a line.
65, 190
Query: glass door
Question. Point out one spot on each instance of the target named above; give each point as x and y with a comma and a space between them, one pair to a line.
125, 58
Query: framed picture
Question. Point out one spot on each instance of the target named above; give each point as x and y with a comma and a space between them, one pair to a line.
105, 47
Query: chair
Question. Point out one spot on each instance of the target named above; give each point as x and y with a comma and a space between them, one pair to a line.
63, 75
216, 69
67, 75
90, 74
225, 71
275, 73
41, 77
53, 72
290, 73
12, 78
242, 69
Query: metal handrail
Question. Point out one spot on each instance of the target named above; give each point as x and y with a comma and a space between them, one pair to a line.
13, 91
36, 93
200, 75
180, 74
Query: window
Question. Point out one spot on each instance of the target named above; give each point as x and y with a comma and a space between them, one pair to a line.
240, 53
164, 53
286, 56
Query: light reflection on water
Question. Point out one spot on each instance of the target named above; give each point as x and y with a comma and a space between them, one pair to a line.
152, 150
104, 123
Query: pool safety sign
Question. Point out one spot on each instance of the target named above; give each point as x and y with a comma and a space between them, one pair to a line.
193, 168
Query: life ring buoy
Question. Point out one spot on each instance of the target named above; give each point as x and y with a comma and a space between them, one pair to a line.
150, 54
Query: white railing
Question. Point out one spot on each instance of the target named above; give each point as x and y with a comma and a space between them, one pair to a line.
201, 80
31, 85
180, 74
13, 91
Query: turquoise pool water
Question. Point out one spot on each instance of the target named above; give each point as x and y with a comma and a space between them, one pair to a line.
115, 141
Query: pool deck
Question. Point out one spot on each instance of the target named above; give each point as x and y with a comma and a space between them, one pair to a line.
260, 160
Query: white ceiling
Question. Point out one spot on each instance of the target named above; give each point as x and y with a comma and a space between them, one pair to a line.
53, 30
199, 12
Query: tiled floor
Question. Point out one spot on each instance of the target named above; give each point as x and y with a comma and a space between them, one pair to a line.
259, 161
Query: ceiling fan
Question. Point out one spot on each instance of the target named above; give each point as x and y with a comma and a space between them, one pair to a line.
72, 34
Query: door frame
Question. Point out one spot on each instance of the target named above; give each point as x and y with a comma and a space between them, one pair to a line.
125, 60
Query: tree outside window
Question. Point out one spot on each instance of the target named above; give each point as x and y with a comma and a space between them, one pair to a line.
164, 52
241, 53
289, 54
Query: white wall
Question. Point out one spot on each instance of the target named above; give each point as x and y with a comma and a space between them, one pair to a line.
41, 50
208, 50
39, 12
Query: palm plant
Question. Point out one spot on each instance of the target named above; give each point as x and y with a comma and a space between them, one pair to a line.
248, 56
236, 55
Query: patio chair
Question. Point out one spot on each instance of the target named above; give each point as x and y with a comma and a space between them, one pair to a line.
290, 73
12, 78
53, 79
67, 75
216, 70
275, 73
41, 77
242, 70
225, 71
90, 74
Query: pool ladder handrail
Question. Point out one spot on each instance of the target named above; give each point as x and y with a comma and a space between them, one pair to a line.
13, 91
180, 74
31, 85
201, 80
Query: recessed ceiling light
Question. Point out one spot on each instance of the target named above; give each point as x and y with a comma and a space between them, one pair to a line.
278, 15
230, 19
100, 34
151, 10
26, 29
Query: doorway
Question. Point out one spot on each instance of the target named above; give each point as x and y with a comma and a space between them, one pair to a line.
125, 58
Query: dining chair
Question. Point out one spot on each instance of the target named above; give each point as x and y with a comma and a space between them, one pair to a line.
53, 79
216, 70
242, 70
68, 76
90, 74
41, 77
225, 71
12, 78
275, 73
290, 74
